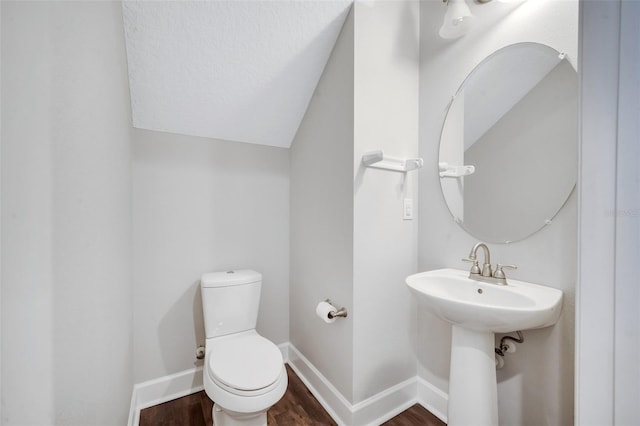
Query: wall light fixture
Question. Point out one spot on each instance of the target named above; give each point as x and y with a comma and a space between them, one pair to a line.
458, 19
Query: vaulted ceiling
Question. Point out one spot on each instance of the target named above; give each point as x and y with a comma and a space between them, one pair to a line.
239, 70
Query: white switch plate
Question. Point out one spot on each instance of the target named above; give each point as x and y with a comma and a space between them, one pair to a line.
407, 209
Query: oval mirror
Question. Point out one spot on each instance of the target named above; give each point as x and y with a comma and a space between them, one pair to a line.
508, 148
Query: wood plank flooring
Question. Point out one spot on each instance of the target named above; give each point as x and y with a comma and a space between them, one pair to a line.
297, 407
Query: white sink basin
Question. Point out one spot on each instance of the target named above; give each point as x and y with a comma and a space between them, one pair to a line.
477, 310
486, 307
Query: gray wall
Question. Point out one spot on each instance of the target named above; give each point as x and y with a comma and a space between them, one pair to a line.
385, 245
322, 218
608, 320
71, 229
349, 241
203, 205
66, 229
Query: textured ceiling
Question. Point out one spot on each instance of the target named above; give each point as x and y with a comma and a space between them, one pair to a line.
240, 70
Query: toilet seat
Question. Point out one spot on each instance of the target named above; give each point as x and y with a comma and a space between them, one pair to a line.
245, 363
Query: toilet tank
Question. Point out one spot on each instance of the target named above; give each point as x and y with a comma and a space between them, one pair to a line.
230, 301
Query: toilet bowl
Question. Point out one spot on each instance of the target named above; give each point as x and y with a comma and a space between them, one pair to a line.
244, 373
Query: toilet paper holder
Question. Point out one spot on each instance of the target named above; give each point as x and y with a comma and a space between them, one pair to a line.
342, 312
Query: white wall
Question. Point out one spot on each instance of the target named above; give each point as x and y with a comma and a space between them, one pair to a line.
322, 219
384, 245
203, 205
529, 391
66, 338
348, 239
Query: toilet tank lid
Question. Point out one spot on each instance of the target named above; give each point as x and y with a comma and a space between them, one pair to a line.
228, 278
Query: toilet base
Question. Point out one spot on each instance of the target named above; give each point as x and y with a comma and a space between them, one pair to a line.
222, 417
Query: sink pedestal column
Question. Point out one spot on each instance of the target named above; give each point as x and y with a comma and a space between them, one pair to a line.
473, 388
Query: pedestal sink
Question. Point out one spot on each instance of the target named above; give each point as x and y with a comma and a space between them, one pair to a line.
476, 311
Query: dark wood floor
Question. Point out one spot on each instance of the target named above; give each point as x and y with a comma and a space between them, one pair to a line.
297, 407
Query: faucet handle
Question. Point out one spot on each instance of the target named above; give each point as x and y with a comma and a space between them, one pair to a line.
499, 273
475, 269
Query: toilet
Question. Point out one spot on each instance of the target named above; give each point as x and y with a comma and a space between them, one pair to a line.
244, 373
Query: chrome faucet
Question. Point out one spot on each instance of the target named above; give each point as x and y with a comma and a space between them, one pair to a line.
486, 274
473, 257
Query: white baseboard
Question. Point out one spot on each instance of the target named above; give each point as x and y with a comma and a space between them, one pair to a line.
284, 348
163, 389
167, 388
381, 407
433, 399
327, 395
371, 412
